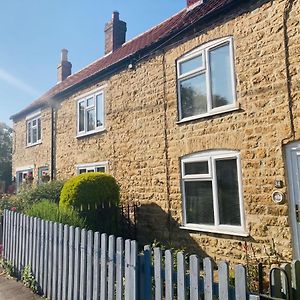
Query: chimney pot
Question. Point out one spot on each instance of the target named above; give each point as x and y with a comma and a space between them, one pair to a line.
64, 55
115, 33
193, 2
64, 69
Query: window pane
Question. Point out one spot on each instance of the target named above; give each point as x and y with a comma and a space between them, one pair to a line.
81, 116
34, 123
199, 202
199, 167
193, 96
220, 72
34, 135
90, 101
228, 192
90, 119
39, 129
91, 170
29, 132
190, 65
100, 112
100, 169
81, 171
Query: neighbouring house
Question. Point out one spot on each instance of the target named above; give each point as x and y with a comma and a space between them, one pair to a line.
198, 120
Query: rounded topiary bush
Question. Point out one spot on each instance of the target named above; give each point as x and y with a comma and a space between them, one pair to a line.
89, 190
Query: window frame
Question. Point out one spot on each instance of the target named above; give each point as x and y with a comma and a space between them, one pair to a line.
84, 98
213, 156
29, 120
204, 51
92, 166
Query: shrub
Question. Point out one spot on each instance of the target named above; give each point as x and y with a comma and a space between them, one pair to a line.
50, 211
89, 191
11, 203
33, 193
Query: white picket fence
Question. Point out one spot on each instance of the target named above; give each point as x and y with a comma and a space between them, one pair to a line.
72, 263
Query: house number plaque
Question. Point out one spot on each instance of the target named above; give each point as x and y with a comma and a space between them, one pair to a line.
278, 197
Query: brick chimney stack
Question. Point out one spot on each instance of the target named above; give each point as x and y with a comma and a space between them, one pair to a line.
115, 33
64, 69
192, 2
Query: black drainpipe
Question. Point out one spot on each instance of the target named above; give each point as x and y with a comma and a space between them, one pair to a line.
53, 136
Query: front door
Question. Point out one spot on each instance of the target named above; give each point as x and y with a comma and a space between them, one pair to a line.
292, 152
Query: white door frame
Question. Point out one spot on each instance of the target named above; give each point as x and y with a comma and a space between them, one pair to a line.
292, 153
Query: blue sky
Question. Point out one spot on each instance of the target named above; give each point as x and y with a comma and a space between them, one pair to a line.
33, 32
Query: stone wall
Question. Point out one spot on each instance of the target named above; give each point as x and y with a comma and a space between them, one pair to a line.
143, 142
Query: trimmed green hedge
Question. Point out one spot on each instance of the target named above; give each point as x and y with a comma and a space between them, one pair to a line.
89, 190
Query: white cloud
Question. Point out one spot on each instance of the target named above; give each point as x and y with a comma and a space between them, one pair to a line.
17, 83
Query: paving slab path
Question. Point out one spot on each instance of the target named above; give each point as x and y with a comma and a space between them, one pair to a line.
11, 289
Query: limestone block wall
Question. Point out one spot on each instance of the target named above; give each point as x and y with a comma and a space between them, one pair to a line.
37, 155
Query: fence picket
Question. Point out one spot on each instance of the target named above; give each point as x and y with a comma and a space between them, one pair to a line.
64, 244
14, 240
208, 279
89, 263
38, 247
103, 282
157, 273
76, 264
71, 263
119, 269
50, 260
54, 261
223, 270
194, 277
23, 247
133, 269
41, 257
46, 258
296, 279
240, 282
30, 242
34, 238
96, 266
127, 270
169, 274
147, 273
82, 285
287, 290
4, 241
60, 260
181, 271
17, 242
111, 267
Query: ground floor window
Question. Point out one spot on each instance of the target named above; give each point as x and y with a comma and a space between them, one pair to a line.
92, 167
212, 192
24, 176
43, 175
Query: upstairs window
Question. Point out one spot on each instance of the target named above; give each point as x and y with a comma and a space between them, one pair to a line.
212, 192
90, 114
92, 167
34, 131
205, 79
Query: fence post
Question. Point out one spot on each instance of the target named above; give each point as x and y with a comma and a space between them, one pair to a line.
46, 258
76, 264
147, 273
54, 262
50, 260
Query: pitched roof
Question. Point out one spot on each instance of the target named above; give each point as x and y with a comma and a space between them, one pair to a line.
156, 35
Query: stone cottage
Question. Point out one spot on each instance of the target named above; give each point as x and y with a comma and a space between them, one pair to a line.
197, 119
